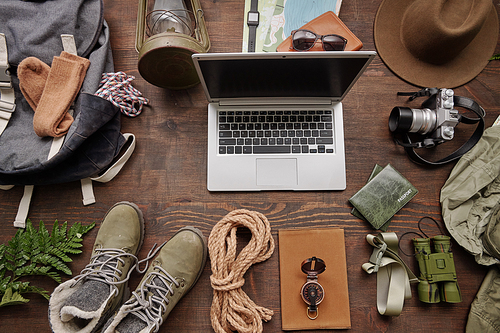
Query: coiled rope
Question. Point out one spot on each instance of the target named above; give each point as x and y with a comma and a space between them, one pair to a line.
117, 88
232, 309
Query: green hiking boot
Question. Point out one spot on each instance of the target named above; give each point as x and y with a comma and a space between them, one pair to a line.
172, 274
85, 302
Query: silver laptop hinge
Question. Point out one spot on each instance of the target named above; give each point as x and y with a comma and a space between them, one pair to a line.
287, 102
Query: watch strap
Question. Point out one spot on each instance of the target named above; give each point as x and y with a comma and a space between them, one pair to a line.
254, 5
252, 35
252, 28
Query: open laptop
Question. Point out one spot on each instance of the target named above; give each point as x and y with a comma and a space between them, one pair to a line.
275, 119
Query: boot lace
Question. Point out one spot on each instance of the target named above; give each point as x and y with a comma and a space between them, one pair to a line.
152, 299
103, 267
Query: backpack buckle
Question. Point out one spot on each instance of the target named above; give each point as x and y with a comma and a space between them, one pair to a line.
7, 107
5, 81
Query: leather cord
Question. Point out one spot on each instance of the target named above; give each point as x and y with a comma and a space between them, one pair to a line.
394, 276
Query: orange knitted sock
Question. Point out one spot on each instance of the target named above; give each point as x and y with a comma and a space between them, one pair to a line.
63, 84
32, 73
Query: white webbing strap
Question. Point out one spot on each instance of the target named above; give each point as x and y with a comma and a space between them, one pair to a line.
87, 191
7, 107
24, 207
111, 172
7, 96
5, 81
393, 275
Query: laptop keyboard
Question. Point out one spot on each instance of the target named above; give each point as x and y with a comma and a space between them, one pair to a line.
276, 132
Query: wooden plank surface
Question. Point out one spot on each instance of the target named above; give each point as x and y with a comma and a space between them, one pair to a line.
166, 177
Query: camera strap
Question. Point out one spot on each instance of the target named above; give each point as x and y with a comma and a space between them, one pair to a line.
460, 101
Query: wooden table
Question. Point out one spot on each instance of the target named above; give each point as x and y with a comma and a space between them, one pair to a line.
166, 177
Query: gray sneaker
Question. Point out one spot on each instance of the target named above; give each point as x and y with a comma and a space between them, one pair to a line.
85, 302
172, 274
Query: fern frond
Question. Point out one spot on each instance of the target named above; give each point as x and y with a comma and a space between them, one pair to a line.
72, 250
36, 290
48, 260
18, 285
43, 237
495, 57
59, 253
33, 252
4, 282
25, 270
12, 298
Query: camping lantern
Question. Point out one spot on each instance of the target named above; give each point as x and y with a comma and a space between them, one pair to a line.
166, 37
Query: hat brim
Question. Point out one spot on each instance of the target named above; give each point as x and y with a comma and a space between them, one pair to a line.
463, 68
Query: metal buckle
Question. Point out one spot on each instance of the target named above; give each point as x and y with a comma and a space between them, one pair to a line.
376, 257
5, 81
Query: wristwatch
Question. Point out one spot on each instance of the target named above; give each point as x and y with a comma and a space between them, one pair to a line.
312, 292
252, 22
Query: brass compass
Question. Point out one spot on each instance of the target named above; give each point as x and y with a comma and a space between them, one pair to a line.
312, 292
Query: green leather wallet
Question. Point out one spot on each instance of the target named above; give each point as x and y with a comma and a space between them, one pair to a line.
383, 196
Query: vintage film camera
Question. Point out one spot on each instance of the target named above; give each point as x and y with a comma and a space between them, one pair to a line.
438, 123
434, 123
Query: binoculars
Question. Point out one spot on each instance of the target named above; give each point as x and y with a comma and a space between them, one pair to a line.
438, 278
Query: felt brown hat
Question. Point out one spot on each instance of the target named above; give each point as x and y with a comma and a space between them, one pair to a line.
436, 43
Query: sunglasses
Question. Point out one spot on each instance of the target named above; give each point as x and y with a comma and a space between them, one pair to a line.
304, 40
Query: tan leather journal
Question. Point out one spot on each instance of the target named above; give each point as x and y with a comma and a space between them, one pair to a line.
327, 23
297, 245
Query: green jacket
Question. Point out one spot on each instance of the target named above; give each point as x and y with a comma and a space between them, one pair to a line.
470, 202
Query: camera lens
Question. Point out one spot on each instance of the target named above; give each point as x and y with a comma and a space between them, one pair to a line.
401, 119
406, 120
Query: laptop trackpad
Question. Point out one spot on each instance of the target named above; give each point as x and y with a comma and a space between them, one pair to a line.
277, 171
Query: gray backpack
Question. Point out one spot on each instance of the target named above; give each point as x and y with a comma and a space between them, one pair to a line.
90, 148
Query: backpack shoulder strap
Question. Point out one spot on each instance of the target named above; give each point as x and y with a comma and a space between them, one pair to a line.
69, 46
7, 97
24, 207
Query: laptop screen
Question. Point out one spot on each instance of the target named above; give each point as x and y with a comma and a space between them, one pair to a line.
275, 75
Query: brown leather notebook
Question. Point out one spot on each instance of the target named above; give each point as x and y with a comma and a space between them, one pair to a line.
327, 23
297, 245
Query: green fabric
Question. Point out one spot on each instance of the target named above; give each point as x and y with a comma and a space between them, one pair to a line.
484, 315
470, 201
470, 194
393, 275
